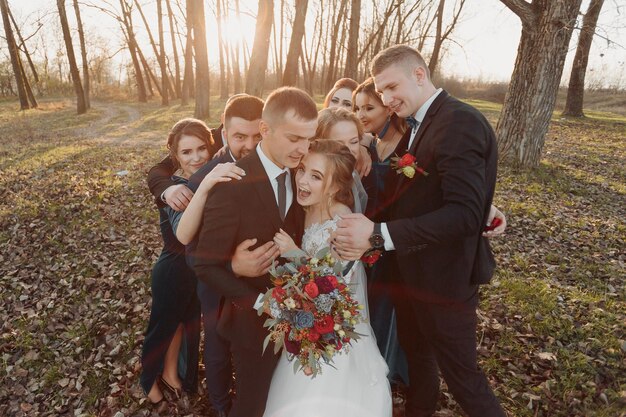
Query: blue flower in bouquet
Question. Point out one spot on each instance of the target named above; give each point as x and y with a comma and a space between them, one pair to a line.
275, 310
324, 303
304, 319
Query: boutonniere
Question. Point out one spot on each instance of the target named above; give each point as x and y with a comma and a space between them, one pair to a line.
406, 165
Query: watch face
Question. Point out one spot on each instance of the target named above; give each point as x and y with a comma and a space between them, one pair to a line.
377, 241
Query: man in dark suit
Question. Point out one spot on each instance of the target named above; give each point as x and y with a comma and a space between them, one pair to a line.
240, 119
255, 207
438, 210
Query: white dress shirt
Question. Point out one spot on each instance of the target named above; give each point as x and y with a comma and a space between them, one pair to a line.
273, 171
419, 116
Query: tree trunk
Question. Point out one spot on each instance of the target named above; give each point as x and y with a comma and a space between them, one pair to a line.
258, 59
188, 84
330, 74
202, 61
290, 76
351, 70
132, 49
81, 106
83, 54
576, 87
546, 31
220, 45
170, 16
21, 90
434, 57
164, 77
23, 43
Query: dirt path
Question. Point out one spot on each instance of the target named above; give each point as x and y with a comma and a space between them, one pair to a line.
121, 124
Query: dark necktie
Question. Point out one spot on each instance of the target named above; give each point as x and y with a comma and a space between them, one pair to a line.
282, 195
412, 122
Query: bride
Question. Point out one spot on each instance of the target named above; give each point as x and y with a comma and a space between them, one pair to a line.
356, 384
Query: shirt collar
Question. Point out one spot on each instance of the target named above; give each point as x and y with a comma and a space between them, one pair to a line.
270, 167
421, 112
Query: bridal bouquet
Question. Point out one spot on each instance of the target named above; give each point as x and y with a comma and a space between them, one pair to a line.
312, 311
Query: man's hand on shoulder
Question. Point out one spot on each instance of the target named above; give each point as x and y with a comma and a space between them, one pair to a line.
253, 263
177, 196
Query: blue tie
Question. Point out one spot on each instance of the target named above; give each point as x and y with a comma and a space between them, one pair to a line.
412, 121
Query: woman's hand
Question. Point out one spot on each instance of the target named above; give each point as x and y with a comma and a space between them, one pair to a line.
363, 162
284, 242
222, 173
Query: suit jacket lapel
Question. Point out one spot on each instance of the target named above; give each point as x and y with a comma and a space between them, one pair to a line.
265, 191
430, 114
421, 131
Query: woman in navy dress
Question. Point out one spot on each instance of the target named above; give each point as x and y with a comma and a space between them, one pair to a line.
387, 131
170, 350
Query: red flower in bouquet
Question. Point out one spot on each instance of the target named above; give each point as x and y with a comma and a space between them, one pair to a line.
324, 285
313, 335
324, 325
311, 289
333, 280
279, 294
291, 346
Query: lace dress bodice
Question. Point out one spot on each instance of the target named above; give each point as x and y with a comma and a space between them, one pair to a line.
317, 236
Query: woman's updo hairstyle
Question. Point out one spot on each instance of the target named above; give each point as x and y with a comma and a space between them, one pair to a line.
341, 164
189, 127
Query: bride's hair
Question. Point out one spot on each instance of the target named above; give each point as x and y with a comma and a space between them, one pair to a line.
189, 127
341, 165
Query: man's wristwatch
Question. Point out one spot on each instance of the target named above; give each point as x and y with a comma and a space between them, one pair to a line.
377, 241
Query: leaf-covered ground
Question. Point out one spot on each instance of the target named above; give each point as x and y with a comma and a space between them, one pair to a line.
79, 234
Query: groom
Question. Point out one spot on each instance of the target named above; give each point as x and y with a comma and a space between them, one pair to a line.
434, 225
255, 207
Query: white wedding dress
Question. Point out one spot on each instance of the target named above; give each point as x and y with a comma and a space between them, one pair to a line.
357, 386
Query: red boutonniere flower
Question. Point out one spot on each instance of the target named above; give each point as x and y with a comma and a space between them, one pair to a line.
406, 165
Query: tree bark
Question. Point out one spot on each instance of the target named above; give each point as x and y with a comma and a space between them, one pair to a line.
330, 74
351, 70
23, 43
164, 77
15, 62
576, 87
132, 49
201, 110
188, 82
290, 76
258, 59
220, 45
546, 31
83, 54
434, 57
81, 106
170, 16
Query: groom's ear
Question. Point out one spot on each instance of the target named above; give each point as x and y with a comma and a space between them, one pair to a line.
264, 128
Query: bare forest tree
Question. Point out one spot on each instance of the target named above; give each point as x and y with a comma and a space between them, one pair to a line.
220, 46
83, 54
81, 105
171, 18
441, 34
290, 75
258, 59
188, 77
24, 49
547, 27
202, 61
576, 88
161, 56
129, 33
15, 58
351, 70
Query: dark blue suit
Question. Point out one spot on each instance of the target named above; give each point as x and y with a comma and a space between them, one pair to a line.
217, 363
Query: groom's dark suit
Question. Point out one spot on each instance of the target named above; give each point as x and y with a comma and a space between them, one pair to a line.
236, 211
435, 223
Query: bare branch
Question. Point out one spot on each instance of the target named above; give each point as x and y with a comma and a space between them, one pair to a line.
521, 8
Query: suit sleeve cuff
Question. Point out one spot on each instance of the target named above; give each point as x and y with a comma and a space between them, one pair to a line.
385, 232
